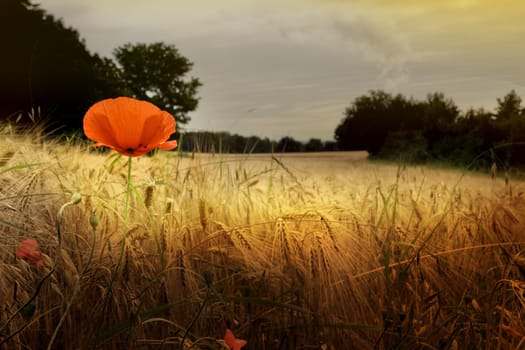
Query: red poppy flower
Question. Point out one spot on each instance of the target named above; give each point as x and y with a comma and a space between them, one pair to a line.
28, 250
129, 126
232, 342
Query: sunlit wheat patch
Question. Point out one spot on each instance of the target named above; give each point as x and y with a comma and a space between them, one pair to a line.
346, 254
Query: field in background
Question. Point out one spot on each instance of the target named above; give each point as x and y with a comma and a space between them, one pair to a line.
316, 251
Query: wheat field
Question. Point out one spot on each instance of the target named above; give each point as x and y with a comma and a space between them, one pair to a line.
305, 251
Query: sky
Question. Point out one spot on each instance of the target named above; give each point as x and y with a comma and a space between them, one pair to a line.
275, 68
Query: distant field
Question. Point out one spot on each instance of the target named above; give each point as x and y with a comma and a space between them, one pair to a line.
290, 251
341, 155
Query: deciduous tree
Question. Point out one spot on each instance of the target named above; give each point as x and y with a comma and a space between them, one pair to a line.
158, 73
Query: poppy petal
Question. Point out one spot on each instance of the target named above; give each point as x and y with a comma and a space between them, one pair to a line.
157, 129
128, 125
232, 342
229, 338
239, 343
168, 145
98, 128
128, 117
28, 250
117, 122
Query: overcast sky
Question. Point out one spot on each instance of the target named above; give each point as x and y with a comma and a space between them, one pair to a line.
290, 67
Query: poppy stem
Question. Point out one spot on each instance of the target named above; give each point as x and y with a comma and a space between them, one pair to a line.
128, 192
196, 317
109, 289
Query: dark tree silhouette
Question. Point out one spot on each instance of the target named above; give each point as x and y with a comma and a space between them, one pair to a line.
439, 117
393, 127
289, 144
314, 145
44, 65
509, 106
371, 118
157, 73
510, 118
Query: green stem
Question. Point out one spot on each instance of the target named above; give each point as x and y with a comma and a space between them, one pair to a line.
128, 192
120, 258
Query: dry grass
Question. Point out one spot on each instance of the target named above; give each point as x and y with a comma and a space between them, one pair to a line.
293, 252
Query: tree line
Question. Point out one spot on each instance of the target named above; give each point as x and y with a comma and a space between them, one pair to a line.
225, 142
399, 128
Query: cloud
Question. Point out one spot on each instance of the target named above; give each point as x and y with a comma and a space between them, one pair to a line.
379, 43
